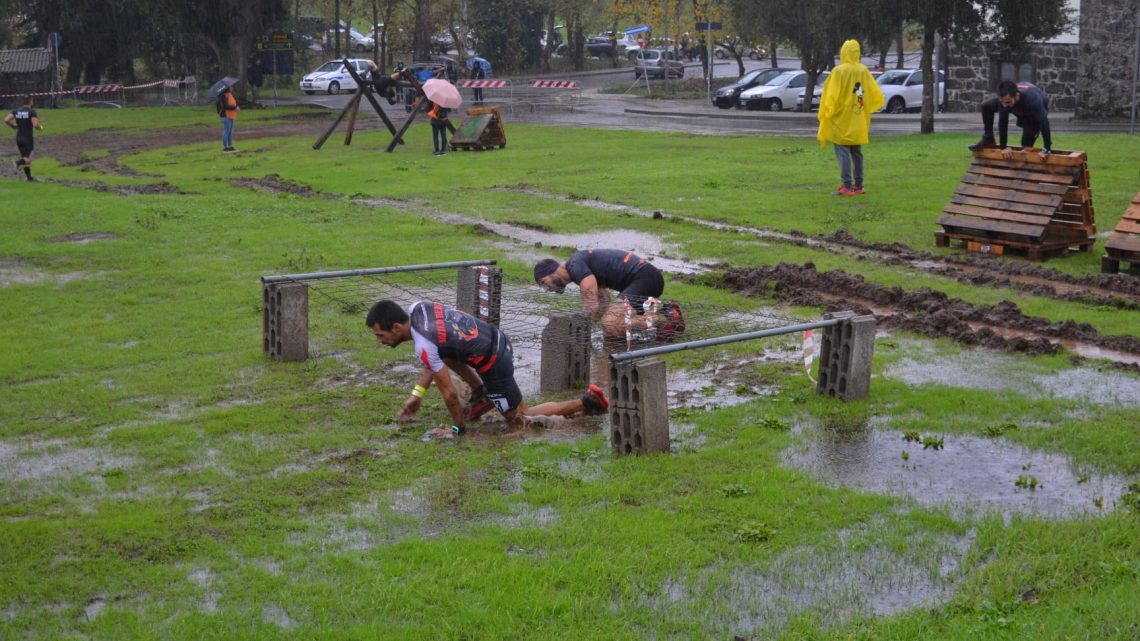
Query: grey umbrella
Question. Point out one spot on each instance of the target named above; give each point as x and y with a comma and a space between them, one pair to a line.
228, 81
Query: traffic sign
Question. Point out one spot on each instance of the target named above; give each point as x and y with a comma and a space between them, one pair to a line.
709, 26
641, 39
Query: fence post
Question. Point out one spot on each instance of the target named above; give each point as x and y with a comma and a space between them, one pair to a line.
479, 292
639, 407
845, 357
285, 321
565, 356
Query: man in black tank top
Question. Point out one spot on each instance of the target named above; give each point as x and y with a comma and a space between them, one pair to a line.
24, 120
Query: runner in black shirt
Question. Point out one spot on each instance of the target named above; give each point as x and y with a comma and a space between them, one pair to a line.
638, 284
24, 120
1029, 105
477, 352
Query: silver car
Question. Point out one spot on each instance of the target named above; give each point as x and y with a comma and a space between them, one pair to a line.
655, 63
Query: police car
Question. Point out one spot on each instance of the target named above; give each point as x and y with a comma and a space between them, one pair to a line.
333, 77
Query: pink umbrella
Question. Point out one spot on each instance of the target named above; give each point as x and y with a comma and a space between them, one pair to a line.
442, 93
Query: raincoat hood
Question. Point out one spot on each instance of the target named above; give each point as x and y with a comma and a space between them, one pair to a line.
850, 53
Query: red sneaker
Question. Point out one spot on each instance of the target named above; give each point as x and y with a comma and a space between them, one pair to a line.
857, 191
843, 190
594, 400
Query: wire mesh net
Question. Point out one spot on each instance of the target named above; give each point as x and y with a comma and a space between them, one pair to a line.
338, 305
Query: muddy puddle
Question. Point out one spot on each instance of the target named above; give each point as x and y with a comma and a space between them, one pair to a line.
17, 272
853, 574
992, 371
966, 473
83, 238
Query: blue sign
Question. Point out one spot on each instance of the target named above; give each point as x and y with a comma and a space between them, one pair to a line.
633, 31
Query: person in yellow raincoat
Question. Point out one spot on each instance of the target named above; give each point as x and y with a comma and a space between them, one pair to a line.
850, 95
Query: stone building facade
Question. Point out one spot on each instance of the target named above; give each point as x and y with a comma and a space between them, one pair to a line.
1092, 77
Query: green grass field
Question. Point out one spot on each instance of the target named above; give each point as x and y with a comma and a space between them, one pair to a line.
161, 478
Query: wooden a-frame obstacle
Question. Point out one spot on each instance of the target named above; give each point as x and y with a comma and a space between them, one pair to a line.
483, 129
363, 89
1124, 244
1038, 206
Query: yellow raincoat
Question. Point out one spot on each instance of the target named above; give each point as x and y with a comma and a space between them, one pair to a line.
850, 95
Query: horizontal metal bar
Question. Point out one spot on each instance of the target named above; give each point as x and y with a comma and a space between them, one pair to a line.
375, 270
721, 340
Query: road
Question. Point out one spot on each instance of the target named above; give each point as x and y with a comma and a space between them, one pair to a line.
621, 111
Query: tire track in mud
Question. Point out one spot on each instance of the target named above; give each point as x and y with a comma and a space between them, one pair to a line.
1002, 326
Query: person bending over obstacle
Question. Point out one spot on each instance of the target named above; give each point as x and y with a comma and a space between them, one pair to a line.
639, 286
478, 352
1029, 105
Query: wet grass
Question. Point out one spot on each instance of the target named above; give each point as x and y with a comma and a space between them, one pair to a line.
162, 478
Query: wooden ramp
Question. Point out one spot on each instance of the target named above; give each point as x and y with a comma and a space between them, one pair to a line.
483, 129
1124, 244
1029, 205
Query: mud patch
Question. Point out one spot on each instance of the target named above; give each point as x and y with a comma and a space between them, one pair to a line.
83, 238
1002, 326
18, 272
274, 184
122, 190
965, 473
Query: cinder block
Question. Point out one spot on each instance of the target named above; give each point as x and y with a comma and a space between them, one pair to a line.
639, 410
479, 292
285, 321
565, 357
846, 353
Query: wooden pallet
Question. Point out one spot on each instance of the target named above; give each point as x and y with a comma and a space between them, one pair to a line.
1037, 206
483, 129
1124, 244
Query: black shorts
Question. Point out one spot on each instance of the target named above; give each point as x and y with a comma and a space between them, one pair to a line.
499, 380
647, 283
25, 147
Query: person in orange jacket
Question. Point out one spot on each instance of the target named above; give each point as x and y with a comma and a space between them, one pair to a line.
850, 95
227, 109
438, 117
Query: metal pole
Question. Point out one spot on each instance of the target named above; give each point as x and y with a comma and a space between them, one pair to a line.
709, 70
377, 270
721, 340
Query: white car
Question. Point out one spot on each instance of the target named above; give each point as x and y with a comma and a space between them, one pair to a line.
333, 77
360, 42
776, 94
815, 96
902, 90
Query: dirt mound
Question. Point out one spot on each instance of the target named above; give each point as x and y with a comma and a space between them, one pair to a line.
273, 183
1001, 326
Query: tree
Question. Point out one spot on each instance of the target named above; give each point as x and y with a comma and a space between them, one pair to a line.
1010, 24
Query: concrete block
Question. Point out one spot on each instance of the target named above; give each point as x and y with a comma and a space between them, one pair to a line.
846, 353
285, 321
639, 409
565, 355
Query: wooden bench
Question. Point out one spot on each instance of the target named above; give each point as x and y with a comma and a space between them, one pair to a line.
1124, 244
1027, 204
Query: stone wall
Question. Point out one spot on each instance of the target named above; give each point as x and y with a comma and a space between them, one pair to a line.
1108, 50
973, 75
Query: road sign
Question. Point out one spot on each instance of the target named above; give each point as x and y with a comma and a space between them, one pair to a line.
278, 40
709, 26
641, 39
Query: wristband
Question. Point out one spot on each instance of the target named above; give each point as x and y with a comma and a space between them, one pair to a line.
418, 391
457, 429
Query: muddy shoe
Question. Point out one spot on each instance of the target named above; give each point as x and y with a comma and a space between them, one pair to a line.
594, 400
986, 141
674, 324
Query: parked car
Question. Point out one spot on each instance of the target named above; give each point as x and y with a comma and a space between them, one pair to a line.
360, 42
599, 47
729, 96
757, 53
657, 63
775, 93
902, 90
332, 77
815, 94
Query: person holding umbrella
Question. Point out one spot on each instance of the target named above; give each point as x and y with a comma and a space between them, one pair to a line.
226, 106
443, 96
477, 73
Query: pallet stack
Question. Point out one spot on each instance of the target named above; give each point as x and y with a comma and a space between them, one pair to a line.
1031, 205
483, 129
1124, 244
